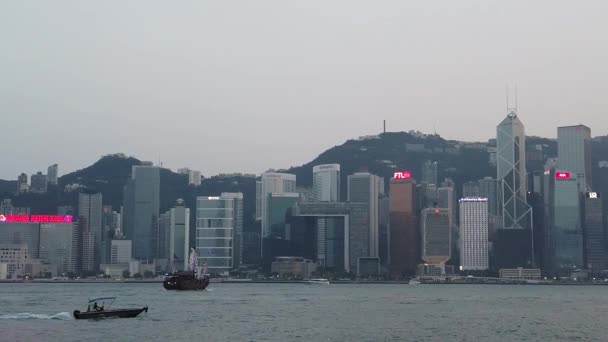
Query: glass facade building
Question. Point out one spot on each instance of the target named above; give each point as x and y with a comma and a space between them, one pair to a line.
511, 172
216, 220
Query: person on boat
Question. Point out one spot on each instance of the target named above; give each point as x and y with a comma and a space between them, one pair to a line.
97, 307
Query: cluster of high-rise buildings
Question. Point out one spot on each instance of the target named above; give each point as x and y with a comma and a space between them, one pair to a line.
360, 223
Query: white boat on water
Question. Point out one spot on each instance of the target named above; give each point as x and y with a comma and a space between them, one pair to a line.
321, 281
414, 282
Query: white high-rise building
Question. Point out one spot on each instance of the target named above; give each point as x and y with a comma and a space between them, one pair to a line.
274, 183
363, 187
217, 224
326, 183
574, 153
474, 234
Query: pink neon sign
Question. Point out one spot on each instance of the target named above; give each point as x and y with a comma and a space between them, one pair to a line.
402, 175
562, 175
37, 218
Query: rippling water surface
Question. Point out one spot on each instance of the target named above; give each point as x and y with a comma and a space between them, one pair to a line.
298, 312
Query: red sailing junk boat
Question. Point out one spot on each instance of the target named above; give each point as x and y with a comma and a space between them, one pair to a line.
193, 279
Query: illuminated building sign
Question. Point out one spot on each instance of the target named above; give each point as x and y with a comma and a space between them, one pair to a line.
402, 175
37, 218
593, 195
562, 175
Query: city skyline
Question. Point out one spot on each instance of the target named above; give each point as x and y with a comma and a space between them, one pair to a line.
357, 61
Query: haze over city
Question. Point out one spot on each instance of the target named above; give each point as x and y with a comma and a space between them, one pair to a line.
223, 88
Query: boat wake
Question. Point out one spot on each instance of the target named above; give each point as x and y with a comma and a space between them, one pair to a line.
62, 316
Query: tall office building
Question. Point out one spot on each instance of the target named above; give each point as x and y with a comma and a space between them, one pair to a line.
57, 248
511, 172
52, 172
474, 234
179, 236
363, 187
120, 251
436, 235
429, 173
258, 201
404, 239
216, 220
488, 189
326, 183
446, 198
22, 185
574, 153
595, 244
237, 211
39, 183
470, 189
164, 237
141, 210
563, 244
325, 188
273, 183
90, 215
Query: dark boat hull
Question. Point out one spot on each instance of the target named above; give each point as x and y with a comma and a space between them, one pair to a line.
185, 283
122, 313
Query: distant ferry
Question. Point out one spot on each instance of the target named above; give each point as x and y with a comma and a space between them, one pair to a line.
414, 282
321, 281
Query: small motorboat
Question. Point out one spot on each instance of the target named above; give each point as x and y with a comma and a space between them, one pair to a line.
97, 311
320, 281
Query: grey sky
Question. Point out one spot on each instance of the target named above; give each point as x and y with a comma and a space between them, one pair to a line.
226, 86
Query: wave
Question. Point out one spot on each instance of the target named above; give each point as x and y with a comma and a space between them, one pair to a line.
63, 316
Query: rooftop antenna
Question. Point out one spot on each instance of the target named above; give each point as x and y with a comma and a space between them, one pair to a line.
512, 110
384, 126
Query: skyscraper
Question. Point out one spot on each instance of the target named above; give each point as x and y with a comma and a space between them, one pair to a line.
436, 235
237, 211
215, 231
363, 187
179, 235
429, 172
470, 189
488, 189
595, 243
326, 183
273, 183
404, 239
90, 215
325, 188
52, 172
39, 183
141, 210
511, 172
474, 234
574, 153
563, 232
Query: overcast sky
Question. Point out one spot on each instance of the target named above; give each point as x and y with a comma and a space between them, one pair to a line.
243, 86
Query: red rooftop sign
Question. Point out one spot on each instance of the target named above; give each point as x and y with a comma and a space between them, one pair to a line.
402, 175
562, 175
37, 218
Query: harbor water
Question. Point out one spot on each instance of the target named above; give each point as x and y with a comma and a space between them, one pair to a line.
299, 312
